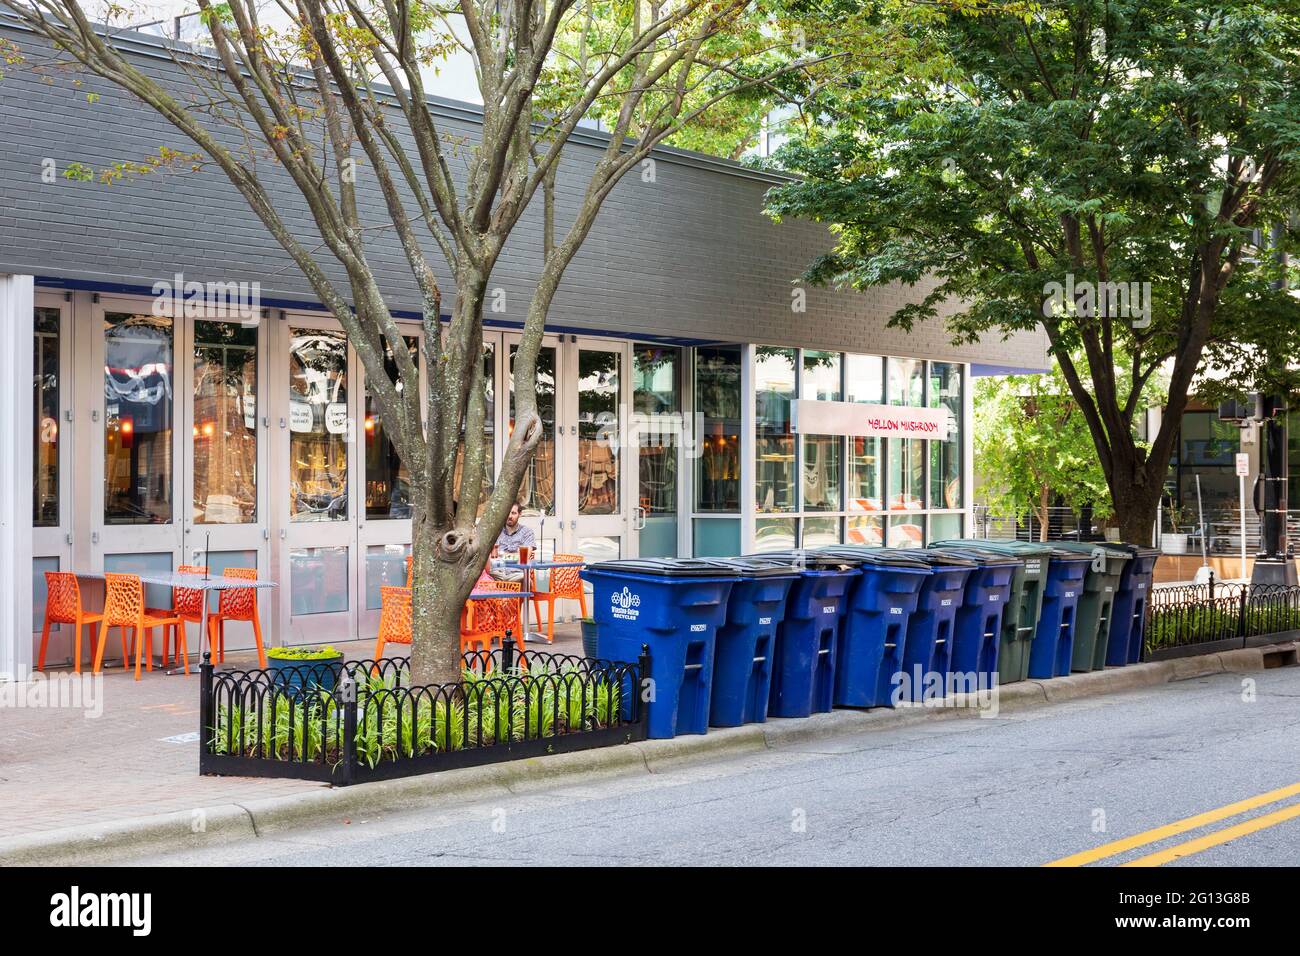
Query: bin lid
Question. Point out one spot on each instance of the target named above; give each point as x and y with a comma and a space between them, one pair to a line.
984, 556
805, 558
1113, 551
1024, 549
895, 557
943, 558
666, 567
761, 566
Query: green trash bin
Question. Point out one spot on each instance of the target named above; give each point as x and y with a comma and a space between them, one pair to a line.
1092, 618
1020, 621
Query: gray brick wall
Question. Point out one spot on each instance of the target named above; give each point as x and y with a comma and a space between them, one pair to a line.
689, 254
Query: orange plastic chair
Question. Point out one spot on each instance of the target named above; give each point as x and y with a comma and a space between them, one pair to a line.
124, 608
395, 624
564, 584
63, 606
488, 619
235, 604
187, 604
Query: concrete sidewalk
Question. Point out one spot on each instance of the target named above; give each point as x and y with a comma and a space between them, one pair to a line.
61, 768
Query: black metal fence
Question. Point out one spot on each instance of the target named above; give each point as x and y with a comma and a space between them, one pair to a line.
1203, 618
363, 720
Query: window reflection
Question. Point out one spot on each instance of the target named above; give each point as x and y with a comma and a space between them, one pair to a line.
774, 384
45, 428
822, 453
538, 491
318, 425
137, 419
225, 423
598, 432
717, 398
945, 456
388, 484
656, 397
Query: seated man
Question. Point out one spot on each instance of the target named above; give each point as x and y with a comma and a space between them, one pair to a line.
512, 537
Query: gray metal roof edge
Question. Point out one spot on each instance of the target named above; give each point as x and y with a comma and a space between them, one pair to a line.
155, 47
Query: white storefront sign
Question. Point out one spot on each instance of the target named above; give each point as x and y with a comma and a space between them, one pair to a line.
812, 417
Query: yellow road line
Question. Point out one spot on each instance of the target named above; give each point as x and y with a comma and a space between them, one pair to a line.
1218, 837
1176, 828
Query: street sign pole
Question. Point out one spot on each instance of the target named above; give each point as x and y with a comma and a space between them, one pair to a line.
1243, 469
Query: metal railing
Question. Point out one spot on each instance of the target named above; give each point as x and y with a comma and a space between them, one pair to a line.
363, 720
1199, 618
1063, 524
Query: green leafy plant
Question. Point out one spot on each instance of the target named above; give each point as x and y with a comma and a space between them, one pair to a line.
304, 653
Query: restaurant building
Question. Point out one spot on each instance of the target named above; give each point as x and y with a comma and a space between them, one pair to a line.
174, 394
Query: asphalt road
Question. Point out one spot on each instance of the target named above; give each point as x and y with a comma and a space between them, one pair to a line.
1026, 788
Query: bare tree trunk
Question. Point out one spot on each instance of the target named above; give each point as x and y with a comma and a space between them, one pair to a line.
1044, 496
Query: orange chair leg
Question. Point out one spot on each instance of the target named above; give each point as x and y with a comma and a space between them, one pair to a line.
94, 639
76, 652
582, 601
126, 652
139, 650
45, 639
257, 636
97, 661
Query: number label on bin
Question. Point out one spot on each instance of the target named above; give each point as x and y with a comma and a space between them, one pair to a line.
995, 597
945, 602
1033, 567
764, 620
1069, 594
697, 628
895, 610
828, 610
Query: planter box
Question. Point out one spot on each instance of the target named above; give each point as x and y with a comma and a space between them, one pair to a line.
300, 675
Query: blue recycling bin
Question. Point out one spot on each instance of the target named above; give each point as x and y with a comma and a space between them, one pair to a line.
803, 654
873, 629
1128, 614
743, 645
928, 653
675, 607
977, 630
1053, 648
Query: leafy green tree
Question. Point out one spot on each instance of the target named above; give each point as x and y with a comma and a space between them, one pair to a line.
1109, 170
1032, 443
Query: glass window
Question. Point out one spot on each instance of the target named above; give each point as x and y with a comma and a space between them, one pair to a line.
818, 532
865, 475
45, 428
865, 529
318, 425
906, 532
945, 456
774, 386
538, 491
906, 382
945, 527
821, 376
864, 379
388, 483
775, 534
717, 400
716, 537
225, 423
318, 580
385, 567
598, 431
656, 391
906, 474
137, 419
822, 456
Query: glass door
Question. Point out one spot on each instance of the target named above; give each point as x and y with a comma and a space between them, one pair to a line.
226, 435
137, 459
598, 486
51, 505
538, 494
316, 430
660, 440
384, 519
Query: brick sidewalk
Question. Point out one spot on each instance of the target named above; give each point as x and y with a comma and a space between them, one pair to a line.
61, 768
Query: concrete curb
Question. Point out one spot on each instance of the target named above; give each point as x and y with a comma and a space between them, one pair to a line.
226, 823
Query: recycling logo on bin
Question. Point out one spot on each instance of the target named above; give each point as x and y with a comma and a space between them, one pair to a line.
625, 605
